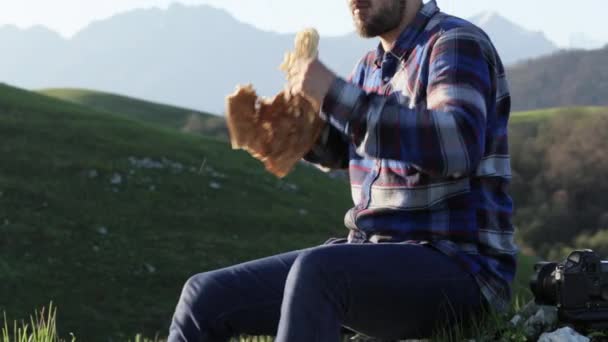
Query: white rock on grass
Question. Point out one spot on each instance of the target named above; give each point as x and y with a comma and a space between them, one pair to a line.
215, 185
543, 320
102, 230
565, 334
150, 268
116, 179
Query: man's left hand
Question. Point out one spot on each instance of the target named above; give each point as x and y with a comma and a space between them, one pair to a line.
310, 78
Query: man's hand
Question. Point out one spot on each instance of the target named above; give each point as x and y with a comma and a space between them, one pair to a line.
310, 78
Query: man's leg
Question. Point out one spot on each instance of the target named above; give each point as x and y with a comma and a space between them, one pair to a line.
387, 290
241, 299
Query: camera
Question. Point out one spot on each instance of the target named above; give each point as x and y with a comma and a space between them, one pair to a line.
578, 287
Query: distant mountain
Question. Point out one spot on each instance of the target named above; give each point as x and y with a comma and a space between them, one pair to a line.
191, 56
580, 40
567, 78
513, 42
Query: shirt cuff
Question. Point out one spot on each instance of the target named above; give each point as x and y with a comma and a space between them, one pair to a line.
342, 104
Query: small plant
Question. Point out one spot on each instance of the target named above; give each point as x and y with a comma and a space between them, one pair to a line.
42, 327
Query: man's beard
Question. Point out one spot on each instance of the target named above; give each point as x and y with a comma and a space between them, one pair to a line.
387, 19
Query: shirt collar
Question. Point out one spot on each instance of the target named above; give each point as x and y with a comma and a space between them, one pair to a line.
407, 38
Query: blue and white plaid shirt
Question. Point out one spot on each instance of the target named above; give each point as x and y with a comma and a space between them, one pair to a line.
423, 132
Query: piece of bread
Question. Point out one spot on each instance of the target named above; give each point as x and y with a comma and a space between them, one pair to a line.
277, 131
281, 130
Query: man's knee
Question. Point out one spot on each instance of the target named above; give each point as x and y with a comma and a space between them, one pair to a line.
310, 263
199, 290
318, 266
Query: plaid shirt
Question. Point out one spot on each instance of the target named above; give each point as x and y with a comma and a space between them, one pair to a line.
423, 131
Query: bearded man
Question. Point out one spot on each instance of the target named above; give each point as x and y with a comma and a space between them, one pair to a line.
421, 124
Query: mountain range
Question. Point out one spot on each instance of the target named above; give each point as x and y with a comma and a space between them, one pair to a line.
193, 56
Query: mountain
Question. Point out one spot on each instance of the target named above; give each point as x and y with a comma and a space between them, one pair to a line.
579, 40
190, 56
564, 79
108, 216
31, 56
513, 42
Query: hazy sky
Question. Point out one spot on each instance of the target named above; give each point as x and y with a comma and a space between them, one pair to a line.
559, 19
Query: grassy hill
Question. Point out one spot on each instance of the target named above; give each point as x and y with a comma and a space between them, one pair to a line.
108, 217
169, 116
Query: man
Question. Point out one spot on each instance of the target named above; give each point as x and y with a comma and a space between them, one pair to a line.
422, 126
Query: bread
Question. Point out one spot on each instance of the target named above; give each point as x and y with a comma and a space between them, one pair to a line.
281, 130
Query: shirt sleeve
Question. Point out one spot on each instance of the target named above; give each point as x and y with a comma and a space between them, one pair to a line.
332, 148
445, 136
330, 151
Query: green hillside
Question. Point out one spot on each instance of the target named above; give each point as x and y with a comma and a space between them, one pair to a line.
107, 217
537, 116
169, 116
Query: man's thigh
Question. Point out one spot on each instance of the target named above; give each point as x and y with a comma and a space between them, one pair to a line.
394, 290
247, 297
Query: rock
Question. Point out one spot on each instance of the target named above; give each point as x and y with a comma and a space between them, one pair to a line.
215, 185
529, 309
516, 319
116, 179
102, 230
543, 320
92, 174
215, 174
565, 334
150, 268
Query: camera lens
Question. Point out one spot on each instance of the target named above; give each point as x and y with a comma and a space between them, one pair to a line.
543, 283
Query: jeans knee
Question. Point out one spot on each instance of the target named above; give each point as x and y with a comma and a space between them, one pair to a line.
196, 291
308, 265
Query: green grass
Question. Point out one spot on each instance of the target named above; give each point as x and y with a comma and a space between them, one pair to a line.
540, 115
161, 114
114, 257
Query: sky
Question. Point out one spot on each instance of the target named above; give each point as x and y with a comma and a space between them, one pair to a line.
559, 19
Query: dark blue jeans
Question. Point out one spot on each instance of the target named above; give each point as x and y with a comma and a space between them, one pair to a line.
385, 290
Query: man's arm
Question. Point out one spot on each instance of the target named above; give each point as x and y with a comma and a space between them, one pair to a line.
444, 138
332, 148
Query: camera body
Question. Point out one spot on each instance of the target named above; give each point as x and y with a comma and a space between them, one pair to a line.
578, 286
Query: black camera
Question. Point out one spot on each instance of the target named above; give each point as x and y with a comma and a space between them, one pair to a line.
578, 286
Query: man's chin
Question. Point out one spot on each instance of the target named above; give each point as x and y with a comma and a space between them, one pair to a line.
363, 32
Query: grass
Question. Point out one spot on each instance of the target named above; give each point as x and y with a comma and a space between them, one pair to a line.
536, 116
493, 326
113, 257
